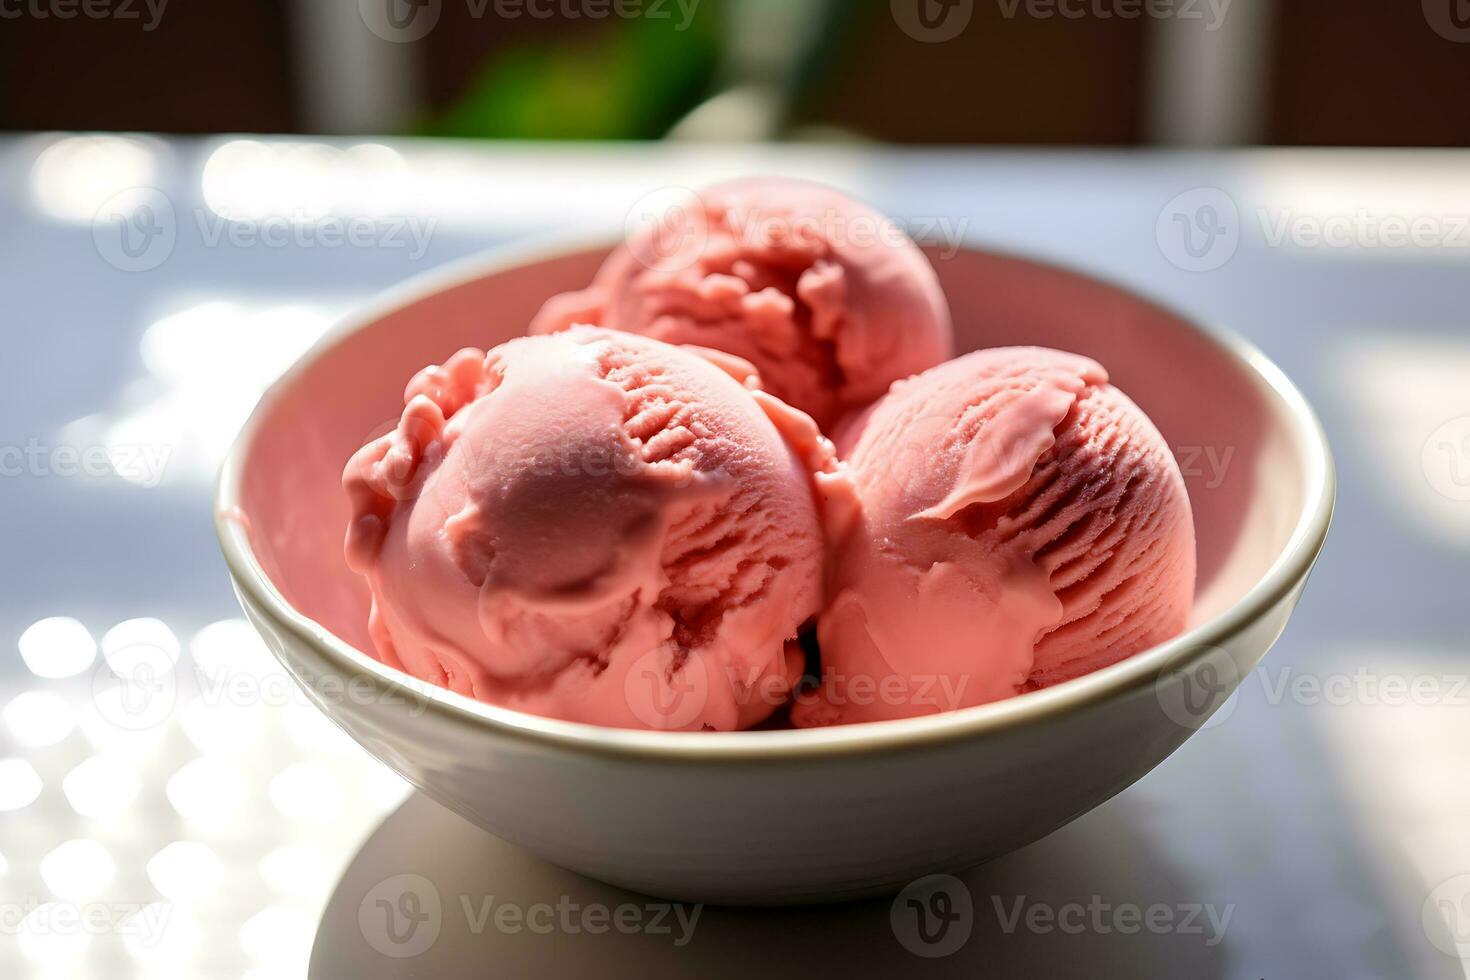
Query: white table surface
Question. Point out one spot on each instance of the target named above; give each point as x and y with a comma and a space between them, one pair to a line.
1327, 814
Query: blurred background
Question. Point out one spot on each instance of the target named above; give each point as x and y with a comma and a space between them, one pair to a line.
1092, 72
192, 192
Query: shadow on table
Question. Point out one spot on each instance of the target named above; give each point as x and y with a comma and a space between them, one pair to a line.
431, 895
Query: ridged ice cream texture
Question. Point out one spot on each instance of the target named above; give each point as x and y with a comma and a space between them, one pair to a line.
593, 526
830, 300
1004, 522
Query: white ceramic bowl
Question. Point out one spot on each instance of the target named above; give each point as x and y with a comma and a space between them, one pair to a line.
783, 816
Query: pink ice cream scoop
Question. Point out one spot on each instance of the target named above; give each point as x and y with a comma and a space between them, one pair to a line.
1006, 521
593, 526
830, 300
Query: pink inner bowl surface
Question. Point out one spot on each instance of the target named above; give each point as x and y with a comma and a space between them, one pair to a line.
1244, 469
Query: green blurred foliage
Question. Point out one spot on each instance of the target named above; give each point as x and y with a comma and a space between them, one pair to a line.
629, 78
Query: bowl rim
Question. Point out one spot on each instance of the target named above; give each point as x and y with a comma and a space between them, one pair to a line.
1289, 568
